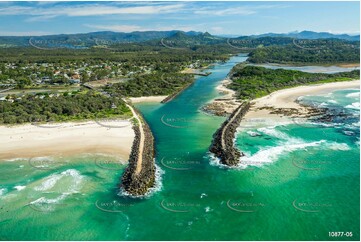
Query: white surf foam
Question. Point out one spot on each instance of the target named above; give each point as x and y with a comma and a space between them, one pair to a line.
253, 134
353, 95
353, 106
338, 146
3, 191
19, 188
53, 179
271, 154
271, 131
156, 188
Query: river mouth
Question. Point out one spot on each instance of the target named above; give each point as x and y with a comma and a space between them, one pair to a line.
296, 179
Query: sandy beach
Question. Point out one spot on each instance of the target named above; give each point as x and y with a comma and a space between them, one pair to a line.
107, 137
147, 99
286, 98
224, 105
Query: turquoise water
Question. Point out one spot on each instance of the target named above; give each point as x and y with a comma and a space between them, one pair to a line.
301, 181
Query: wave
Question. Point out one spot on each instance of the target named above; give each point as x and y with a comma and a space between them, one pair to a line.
271, 131
3, 191
271, 154
354, 95
53, 179
353, 106
19, 188
338, 146
49, 183
253, 134
48, 204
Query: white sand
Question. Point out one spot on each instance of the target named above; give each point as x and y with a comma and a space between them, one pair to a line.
286, 98
147, 99
227, 93
26, 141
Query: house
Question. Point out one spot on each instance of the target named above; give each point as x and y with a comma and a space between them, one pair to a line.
46, 79
75, 81
75, 76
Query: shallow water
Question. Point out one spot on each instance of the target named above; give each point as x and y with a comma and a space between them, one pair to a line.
301, 181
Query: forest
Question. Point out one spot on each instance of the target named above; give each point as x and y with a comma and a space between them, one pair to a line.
252, 81
73, 106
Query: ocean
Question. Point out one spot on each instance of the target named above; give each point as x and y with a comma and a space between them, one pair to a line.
300, 180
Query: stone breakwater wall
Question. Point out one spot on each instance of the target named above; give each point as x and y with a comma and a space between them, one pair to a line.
174, 95
139, 184
222, 145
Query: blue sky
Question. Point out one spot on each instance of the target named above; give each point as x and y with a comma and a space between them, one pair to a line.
235, 18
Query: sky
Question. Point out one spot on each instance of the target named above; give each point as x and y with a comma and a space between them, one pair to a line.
219, 18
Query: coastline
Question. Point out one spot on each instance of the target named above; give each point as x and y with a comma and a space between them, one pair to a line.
66, 139
147, 99
226, 104
285, 100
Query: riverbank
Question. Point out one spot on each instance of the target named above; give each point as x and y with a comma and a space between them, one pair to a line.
66, 139
147, 99
281, 104
225, 105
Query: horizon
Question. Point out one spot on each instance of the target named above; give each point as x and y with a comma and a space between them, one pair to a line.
177, 30
218, 18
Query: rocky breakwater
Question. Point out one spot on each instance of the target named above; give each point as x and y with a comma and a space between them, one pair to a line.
222, 145
139, 176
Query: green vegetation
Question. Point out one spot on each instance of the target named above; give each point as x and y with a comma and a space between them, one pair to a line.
145, 65
321, 51
252, 82
153, 84
72, 106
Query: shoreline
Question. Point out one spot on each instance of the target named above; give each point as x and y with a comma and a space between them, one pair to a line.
113, 138
284, 101
343, 65
147, 99
224, 105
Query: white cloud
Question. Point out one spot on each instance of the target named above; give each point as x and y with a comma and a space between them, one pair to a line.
88, 10
227, 11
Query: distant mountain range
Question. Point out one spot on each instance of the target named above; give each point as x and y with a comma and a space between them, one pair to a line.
311, 35
172, 38
88, 39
